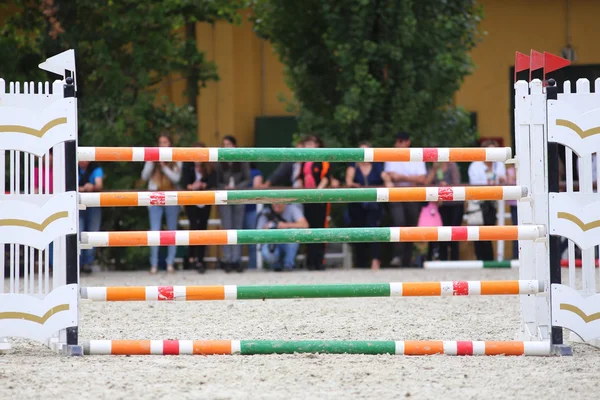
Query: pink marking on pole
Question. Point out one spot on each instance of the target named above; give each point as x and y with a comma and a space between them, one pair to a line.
170, 347
445, 193
460, 288
165, 293
167, 238
151, 154
459, 233
158, 199
464, 348
430, 154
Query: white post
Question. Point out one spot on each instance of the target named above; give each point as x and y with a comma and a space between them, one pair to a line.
530, 137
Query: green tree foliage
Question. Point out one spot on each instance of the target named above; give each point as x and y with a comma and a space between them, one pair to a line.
125, 50
364, 69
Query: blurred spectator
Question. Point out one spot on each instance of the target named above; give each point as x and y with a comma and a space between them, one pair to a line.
446, 174
405, 213
250, 213
286, 173
511, 179
162, 176
231, 175
91, 177
363, 174
281, 216
487, 173
315, 175
198, 176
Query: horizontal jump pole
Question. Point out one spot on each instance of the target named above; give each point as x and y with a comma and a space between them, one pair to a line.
322, 235
578, 263
187, 198
471, 264
475, 264
262, 292
373, 347
456, 154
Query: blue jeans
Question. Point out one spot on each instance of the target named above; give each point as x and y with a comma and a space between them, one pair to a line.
250, 223
89, 221
232, 217
156, 215
283, 252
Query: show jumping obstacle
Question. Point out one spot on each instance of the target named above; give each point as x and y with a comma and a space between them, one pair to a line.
219, 197
234, 292
322, 235
254, 347
167, 154
33, 121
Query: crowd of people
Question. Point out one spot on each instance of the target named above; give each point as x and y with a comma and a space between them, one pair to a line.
198, 176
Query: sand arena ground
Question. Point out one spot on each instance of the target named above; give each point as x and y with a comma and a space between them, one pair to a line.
31, 372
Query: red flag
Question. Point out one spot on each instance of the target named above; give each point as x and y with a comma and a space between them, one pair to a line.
552, 62
521, 63
537, 60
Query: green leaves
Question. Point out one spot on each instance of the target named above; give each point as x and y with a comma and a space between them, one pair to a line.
126, 52
364, 69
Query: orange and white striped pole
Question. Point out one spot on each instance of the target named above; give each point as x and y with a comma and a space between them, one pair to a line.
325, 235
262, 292
402, 194
166, 154
256, 347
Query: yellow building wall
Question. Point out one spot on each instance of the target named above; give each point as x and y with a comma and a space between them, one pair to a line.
517, 25
251, 75
251, 79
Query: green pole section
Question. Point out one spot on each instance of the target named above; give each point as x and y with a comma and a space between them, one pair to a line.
301, 196
249, 347
496, 264
284, 154
312, 291
322, 235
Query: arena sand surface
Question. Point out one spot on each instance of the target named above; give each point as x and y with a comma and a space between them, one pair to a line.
31, 372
